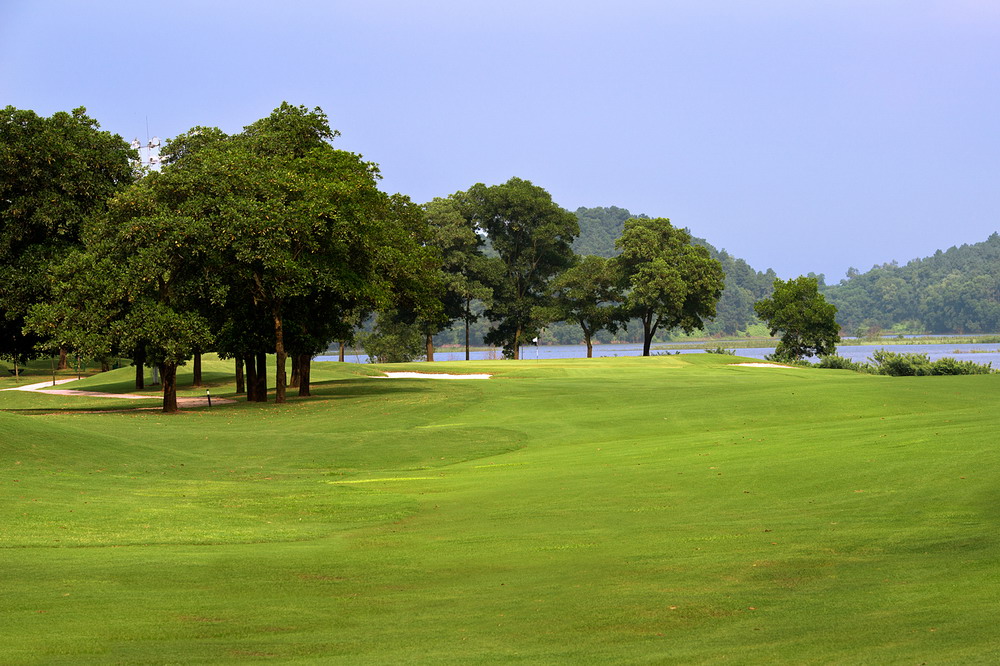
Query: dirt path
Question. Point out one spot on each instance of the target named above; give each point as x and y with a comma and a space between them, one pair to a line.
182, 401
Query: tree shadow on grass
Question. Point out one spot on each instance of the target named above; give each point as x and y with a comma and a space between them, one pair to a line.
322, 391
344, 389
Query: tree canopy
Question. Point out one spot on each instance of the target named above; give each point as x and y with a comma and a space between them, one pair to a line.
255, 242
532, 236
807, 323
952, 291
669, 282
54, 173
589, 295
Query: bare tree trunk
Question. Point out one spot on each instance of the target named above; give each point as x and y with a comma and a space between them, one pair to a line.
168, 374
467, 337
139, 359
196, 381
430, 347
342, 345
63, 361
240, 383
260, 395
251, 379
279, 352
305, 364
648, 331
590, 346
296, 371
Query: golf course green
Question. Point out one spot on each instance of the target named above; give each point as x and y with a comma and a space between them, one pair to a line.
671, 509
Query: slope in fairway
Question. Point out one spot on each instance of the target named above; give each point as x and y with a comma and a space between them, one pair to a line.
667, 509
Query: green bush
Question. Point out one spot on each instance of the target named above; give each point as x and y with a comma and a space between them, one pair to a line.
949, 366
392, 341
910, 365
721, 350
834, 362
901, 364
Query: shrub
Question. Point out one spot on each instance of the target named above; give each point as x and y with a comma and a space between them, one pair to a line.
901, 364
720, 350
949, 366
834, 362
392, 342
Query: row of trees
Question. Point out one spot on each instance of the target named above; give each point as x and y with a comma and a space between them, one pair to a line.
952, 291
273, 241
515, 256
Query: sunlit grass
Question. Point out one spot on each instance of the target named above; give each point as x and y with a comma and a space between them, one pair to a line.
668, 509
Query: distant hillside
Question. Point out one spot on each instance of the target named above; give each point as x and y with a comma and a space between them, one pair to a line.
955, 291
600, 227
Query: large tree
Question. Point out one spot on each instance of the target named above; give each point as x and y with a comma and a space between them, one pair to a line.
669, 282
588, 294
54, 173
463, 269
807, 323
298, 224
532, 236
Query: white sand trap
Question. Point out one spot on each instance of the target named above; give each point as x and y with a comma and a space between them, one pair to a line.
763, 365
429, 375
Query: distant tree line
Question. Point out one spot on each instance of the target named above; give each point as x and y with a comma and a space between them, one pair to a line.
952, 291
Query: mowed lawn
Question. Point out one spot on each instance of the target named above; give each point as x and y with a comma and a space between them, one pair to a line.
670, 509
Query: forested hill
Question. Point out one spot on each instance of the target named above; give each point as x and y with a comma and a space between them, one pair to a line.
601, 226
955, 291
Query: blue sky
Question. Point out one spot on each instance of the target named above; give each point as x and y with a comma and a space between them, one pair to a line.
802, 136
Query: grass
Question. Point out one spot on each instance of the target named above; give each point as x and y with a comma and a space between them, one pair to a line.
667, 510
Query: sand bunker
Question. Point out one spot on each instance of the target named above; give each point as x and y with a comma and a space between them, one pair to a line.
429, 375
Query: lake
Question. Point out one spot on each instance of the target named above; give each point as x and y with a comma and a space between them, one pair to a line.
978, 353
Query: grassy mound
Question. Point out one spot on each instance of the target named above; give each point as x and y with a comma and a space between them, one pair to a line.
668, 509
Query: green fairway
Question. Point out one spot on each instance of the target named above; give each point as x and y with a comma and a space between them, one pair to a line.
670, 509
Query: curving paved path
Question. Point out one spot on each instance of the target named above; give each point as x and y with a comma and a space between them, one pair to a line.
182, 401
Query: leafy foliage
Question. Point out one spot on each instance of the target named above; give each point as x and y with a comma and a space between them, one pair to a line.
392, 341
953, 291
600, 227
898, 364
588, 294
54, 174
531, 236
669, 282
798, 311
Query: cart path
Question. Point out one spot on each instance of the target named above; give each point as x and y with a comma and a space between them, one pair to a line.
182, 401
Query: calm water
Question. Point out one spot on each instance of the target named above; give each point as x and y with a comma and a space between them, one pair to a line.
978, 353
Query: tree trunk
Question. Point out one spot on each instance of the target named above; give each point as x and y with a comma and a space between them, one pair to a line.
517, 345
240, 383
305, 363
279, 353
430, 348
168, 377
196, 381
139, 359
342, 345
296, 370
590, 346
260, 395
466, 335
63, 361
251, 379
648, 331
